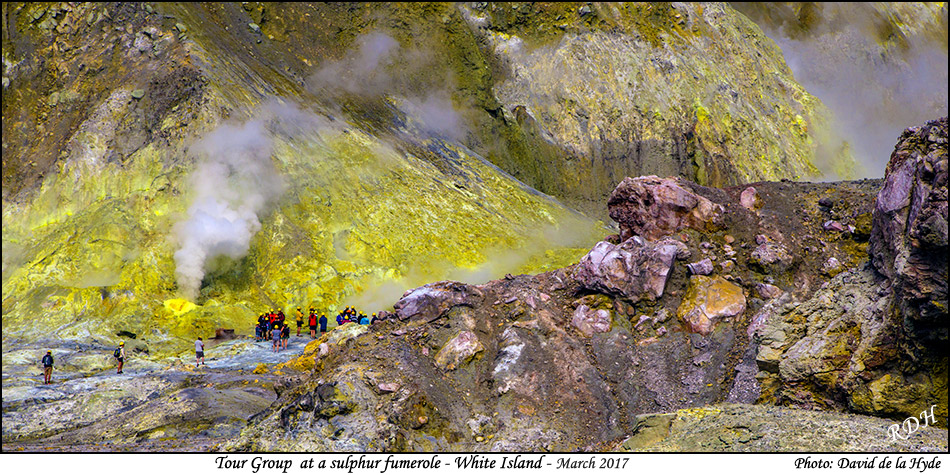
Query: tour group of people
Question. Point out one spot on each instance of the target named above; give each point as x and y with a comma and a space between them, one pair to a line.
271, 326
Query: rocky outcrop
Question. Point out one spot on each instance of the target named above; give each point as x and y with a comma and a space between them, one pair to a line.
517, 364
869, 340
653, 207
844, 350
748, 428
909, 231
570, 358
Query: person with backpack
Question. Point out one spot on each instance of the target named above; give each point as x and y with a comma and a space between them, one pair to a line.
199, 351
48, 367
119, 355
313, 324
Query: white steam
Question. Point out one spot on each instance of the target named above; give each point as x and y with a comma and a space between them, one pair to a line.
235, 180
875, 91
378, 67
365, 72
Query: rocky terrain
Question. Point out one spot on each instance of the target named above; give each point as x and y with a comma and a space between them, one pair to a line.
598, 211
763, 293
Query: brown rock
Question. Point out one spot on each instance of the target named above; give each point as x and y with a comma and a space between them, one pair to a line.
654, 207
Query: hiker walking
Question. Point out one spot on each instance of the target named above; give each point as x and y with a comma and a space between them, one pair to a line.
48, 367
119, 355
199, 351
323, 324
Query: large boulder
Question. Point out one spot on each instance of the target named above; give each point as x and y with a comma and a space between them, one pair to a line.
909, 230
634, 269
433, 300
654, 207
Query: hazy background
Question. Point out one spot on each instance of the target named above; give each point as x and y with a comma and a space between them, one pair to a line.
880, 68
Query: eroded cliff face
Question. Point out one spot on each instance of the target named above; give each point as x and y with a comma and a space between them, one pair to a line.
690, 90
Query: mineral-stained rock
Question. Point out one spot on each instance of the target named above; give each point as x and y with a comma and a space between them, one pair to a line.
768, 291
433, 300
635, 269
654, 207
772, 256
708, 300
590, 321
909, 230
844, 349
831, 267
459, 350
748, 199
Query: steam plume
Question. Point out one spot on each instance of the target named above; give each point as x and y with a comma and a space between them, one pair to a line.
234, 182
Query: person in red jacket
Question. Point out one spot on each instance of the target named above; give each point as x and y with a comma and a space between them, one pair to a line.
313, 324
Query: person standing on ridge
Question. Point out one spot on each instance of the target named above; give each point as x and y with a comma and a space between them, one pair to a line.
199, 351
119, 355
48, 367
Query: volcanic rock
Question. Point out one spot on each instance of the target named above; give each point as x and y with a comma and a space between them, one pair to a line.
654, 207
635, 269
590, 321
703, 267
909, 230
459, 350
755, 428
